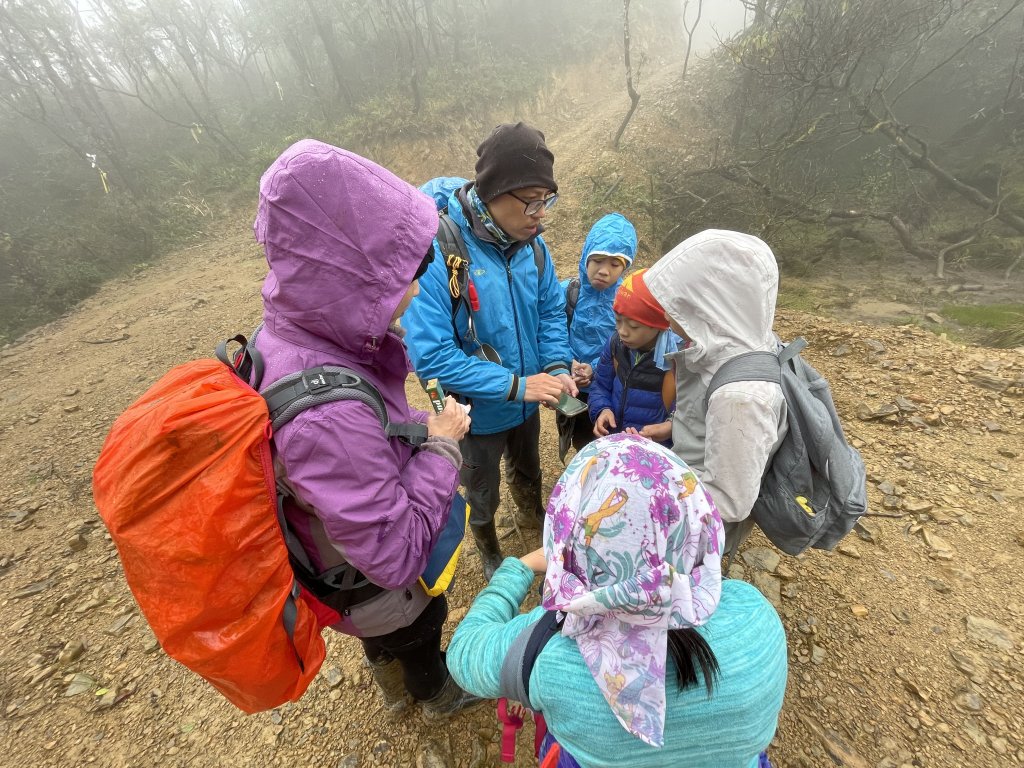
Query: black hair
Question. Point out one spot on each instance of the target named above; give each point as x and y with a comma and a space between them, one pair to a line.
690, 651
429, 257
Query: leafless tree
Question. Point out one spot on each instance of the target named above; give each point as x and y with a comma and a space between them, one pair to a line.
634, 96
688, 30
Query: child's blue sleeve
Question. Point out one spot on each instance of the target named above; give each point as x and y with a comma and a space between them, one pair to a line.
601, 386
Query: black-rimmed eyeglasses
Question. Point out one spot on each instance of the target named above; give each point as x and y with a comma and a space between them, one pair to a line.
533, 207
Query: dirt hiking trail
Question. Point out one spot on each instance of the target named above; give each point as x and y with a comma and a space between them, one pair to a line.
905, 643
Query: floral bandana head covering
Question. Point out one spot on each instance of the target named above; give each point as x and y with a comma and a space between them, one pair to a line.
634, 548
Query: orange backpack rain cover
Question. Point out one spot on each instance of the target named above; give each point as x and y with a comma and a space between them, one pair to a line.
185, 485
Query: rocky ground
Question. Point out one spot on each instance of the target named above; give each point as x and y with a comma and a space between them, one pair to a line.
905, 643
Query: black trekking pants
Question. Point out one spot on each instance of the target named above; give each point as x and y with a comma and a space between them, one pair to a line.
417, 648
482, 455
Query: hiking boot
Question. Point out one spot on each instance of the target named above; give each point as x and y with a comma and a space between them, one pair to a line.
448, 701
528, 512
387, 673
487, 545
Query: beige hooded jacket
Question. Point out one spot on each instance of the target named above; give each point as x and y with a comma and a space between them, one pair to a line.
720, 288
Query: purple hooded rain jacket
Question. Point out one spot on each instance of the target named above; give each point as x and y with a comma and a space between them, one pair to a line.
343, 238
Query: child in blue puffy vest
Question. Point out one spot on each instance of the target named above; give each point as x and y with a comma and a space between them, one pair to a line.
607, 253
633, 390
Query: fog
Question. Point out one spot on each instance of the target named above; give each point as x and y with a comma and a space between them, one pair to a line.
128, 125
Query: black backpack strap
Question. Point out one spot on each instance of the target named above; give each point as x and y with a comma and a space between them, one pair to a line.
294, 393
538, 258
342, 586
456, 258
572, 297
514, 680
247, 362
339, 587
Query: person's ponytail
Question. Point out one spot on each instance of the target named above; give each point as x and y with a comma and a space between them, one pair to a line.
690, 652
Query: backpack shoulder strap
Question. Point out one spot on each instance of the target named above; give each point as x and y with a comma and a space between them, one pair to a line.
522, 655
286, 399
456, 258
572, 297
297, 392
538, 258
247, 363
753, 366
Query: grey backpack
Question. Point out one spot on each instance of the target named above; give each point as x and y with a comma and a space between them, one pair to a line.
814, 488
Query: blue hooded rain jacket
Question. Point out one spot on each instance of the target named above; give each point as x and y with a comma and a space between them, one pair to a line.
593, 321
521, 315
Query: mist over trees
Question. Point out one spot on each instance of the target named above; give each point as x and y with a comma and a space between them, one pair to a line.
122, 120
829, 127
871, 126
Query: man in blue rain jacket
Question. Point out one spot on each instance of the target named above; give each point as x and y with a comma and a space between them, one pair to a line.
520, 321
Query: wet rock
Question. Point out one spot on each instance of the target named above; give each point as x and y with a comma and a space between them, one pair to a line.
867, 531
432, 756
334, 677
761, 558
80, 683
770, 587
970, 663
988, 631
917, 507
848, 550
71, 652
904, 405
968, 701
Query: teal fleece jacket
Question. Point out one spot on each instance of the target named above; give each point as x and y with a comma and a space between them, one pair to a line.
728, 730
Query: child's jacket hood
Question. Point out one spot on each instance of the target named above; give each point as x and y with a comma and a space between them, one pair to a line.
593, 320
721, 287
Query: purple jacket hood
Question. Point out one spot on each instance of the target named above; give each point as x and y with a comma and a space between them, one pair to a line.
343, 238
